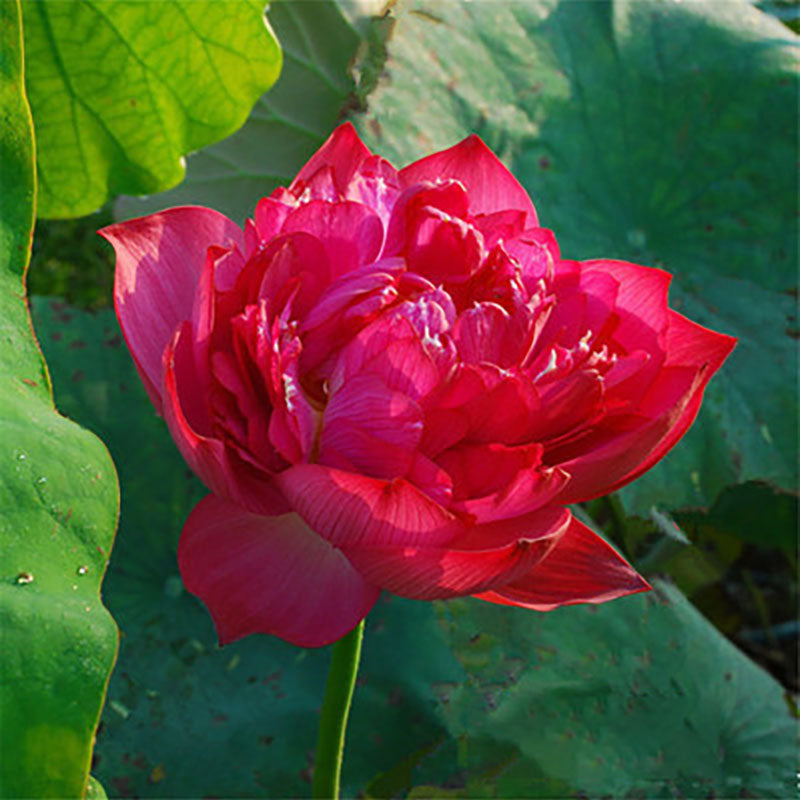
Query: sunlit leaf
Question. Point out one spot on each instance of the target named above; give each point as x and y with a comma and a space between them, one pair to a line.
286, 125
121, 91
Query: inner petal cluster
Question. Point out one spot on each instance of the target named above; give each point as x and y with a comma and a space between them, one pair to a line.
455, 351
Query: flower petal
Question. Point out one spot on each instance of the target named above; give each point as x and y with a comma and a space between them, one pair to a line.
530, 489
581, 568
489, 556
351, 510
641, 301
494, 482
441, 247
391, 349
351, 233
221, 469
159, 260
687, 343
491, 187
370, 429
343, 153
623, 447
375, 184
270, 575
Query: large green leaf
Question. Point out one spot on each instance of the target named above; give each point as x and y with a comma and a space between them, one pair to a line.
636, 698
121, 91
58, 509
285, 127
662, 133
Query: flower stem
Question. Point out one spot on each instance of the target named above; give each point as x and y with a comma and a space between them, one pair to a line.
335, 709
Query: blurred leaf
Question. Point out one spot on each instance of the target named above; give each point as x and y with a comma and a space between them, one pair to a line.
253, 706
661, 133
787, 11
58, 508
754, 512
285, 127
70, 260
121, 91
637, 698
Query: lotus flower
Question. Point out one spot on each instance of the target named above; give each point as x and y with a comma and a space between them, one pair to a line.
392, 380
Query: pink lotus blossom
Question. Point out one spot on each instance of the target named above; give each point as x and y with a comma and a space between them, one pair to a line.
392, 380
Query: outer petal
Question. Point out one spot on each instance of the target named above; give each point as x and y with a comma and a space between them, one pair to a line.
686, 342
159, 260
529, 490
694, 354
343, 152
351, 510
641, 300
219, 468
600, 462
581, 568
271, 575
490, 185
487, 556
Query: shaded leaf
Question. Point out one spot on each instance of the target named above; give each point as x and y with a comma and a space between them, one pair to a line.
636, 698
754, 513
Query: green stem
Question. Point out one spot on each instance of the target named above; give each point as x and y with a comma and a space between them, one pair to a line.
335, 709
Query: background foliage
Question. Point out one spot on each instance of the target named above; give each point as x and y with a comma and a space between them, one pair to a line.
658, 132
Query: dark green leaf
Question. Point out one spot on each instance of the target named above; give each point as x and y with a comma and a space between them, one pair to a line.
637, 698
754, 512
121, 91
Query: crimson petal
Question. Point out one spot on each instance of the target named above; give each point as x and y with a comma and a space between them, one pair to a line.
491, 187
271, 575
350, 510
488, 556
159, 261
343, 152
218, 467
581, 568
